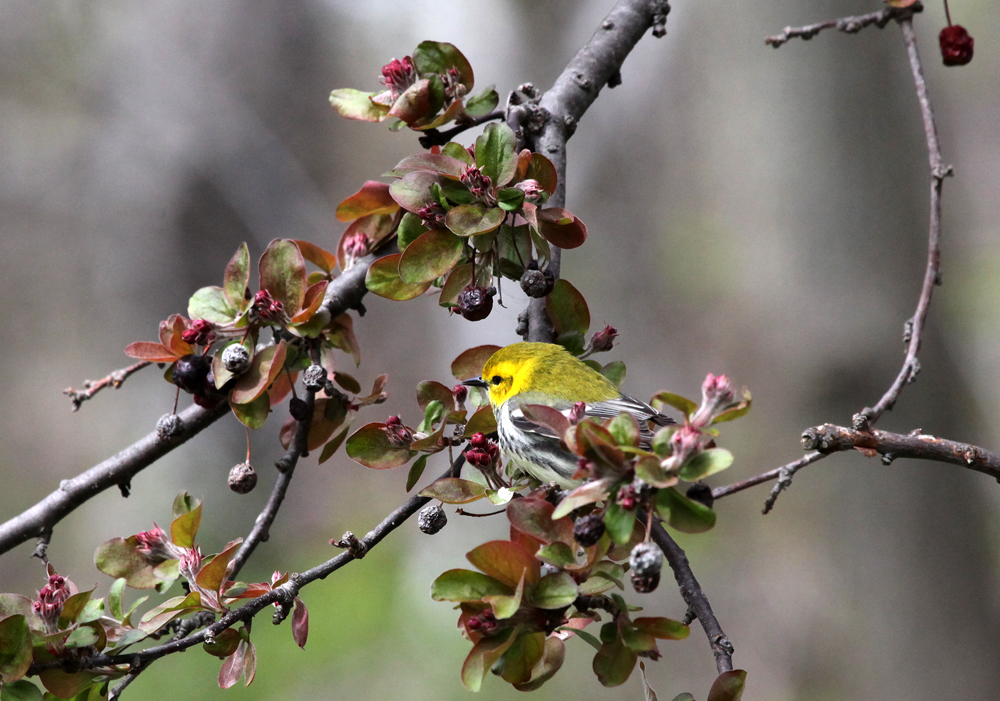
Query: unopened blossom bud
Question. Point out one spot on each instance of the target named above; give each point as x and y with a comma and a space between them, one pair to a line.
190, 563
533, 191
399, 435
155, 546
577, 413
645, 562
169, 428
717, 394
355, 246
475, 302
431, 519
460, 392
50, 601
453, 88
236, 358
603, 340
266, 308
627, 497
398, 75
956, 45
483, 622
479, 184
242, 478
314, 378
199, 332
588, 529
684, 443
432, 215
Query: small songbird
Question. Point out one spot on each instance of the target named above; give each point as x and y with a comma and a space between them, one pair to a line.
545, 373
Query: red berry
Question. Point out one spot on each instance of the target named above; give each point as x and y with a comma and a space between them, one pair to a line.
956, 45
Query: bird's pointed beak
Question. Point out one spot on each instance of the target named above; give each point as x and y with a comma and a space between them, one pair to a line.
475, 382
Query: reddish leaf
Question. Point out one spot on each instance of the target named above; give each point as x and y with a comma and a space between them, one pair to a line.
171, 332
561, 228
153, 352
383, 279
453, 490
215, 574
232, 668
534, 517
413, 104
429, 391
372, 198
567, 309
551, 661
311, 302
322, 259
300, 623
283, 273
430, 256
542, 170
370, 446
728, 686
340, 334
505, 561
482, 657
413, 190
249, 664
547, 416
263, 369
470, 362
237, 278
434, 163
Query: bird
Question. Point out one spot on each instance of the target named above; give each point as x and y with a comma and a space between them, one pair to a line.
546, 373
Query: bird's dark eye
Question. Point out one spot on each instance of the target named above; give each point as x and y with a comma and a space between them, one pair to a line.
496, 380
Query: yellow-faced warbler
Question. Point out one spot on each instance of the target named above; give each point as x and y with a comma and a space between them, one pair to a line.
547, 374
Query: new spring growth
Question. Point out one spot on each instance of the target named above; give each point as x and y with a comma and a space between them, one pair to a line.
155, 546
49, 605
397, 76
717, 394
199, 332
355, 246
399, 435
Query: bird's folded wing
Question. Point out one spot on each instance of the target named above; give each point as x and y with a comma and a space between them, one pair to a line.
611, 408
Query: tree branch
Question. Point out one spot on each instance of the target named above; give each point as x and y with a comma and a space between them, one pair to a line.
112, 379
694, 597
829, 438
283, 595
562, 106
343, 293
848, 25
433, 137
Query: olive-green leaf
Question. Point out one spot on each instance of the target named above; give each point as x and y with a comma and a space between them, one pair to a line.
432, 255
706, 463
496, 153
473, 219
466, 585
15, 648
686, 515
383, 279
567, 308
355, 104
370, 446
283, 274
210, 303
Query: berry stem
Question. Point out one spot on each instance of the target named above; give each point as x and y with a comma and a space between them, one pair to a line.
247, 428
947, 13
177, 396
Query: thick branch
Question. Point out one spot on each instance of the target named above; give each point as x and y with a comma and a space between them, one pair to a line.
695, 598
848, 25
831, 439
112, 379
283, 595
593, 67
344, 292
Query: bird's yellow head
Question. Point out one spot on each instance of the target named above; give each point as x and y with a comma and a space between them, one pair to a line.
542, 373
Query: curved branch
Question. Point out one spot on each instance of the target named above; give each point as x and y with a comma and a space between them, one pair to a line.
597, 64
283, 595
112, 379
343, 293
433, 137
848, 25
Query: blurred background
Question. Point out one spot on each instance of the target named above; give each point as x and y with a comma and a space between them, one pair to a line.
756, 212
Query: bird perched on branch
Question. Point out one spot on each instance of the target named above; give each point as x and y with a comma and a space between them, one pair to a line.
544, 373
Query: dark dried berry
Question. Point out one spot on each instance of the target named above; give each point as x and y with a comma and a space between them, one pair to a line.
956, 45
588, 529
431, 519
645, 583
242, 478
190, 372
701, 493
170, 427
536, 283
476, 302
646, 562
298, 409
314, 378
207, 401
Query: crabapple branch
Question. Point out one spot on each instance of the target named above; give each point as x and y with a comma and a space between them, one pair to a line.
694, 597
564, 104
343, 293
433, 137
112, 379
848, 25
829, 438
282, 595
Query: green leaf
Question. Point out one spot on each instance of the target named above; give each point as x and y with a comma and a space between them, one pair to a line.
438, 57
663, 628
184, 503
561, 228
466, 585
283, 273
383, 279
624, 429
416, 470
496, 153
184, 528
370, 446
469, 363
534, 517
483, 655
453, 490
567, 309
558, 554
636, 639
253, 414
586, 493
482, 103
604, 576
456, 150
20, 691
684, 697
686, 515
413, 190
119, 558
429, 391
661, 441
510, 199
728, 686
409, 229
483, 421
213, 575
520, 658
210, 303
504, 605
554, 591
649, 470
614, 371
737, 411
115, 599
432, 255
333, 445
237, 278
473, 219
416, 102
225, 643
15, 648
614, 662
553, 655
506, 561
619, 522
678, 402
355, 104
264, 367
706, 463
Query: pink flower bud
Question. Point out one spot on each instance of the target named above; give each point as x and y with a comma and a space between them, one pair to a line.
460, 392
355, 246
399, 435
532, 189
266, 308
156, 547
479, 185
603, 340
577, 413
685, 443
190, 564
431, 215
398, 75
50, 601
199, 332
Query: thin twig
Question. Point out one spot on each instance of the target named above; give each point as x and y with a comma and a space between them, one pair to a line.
283, 595
92, 387
695, 598
433, 137
783, 474
829, 438
849, 25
